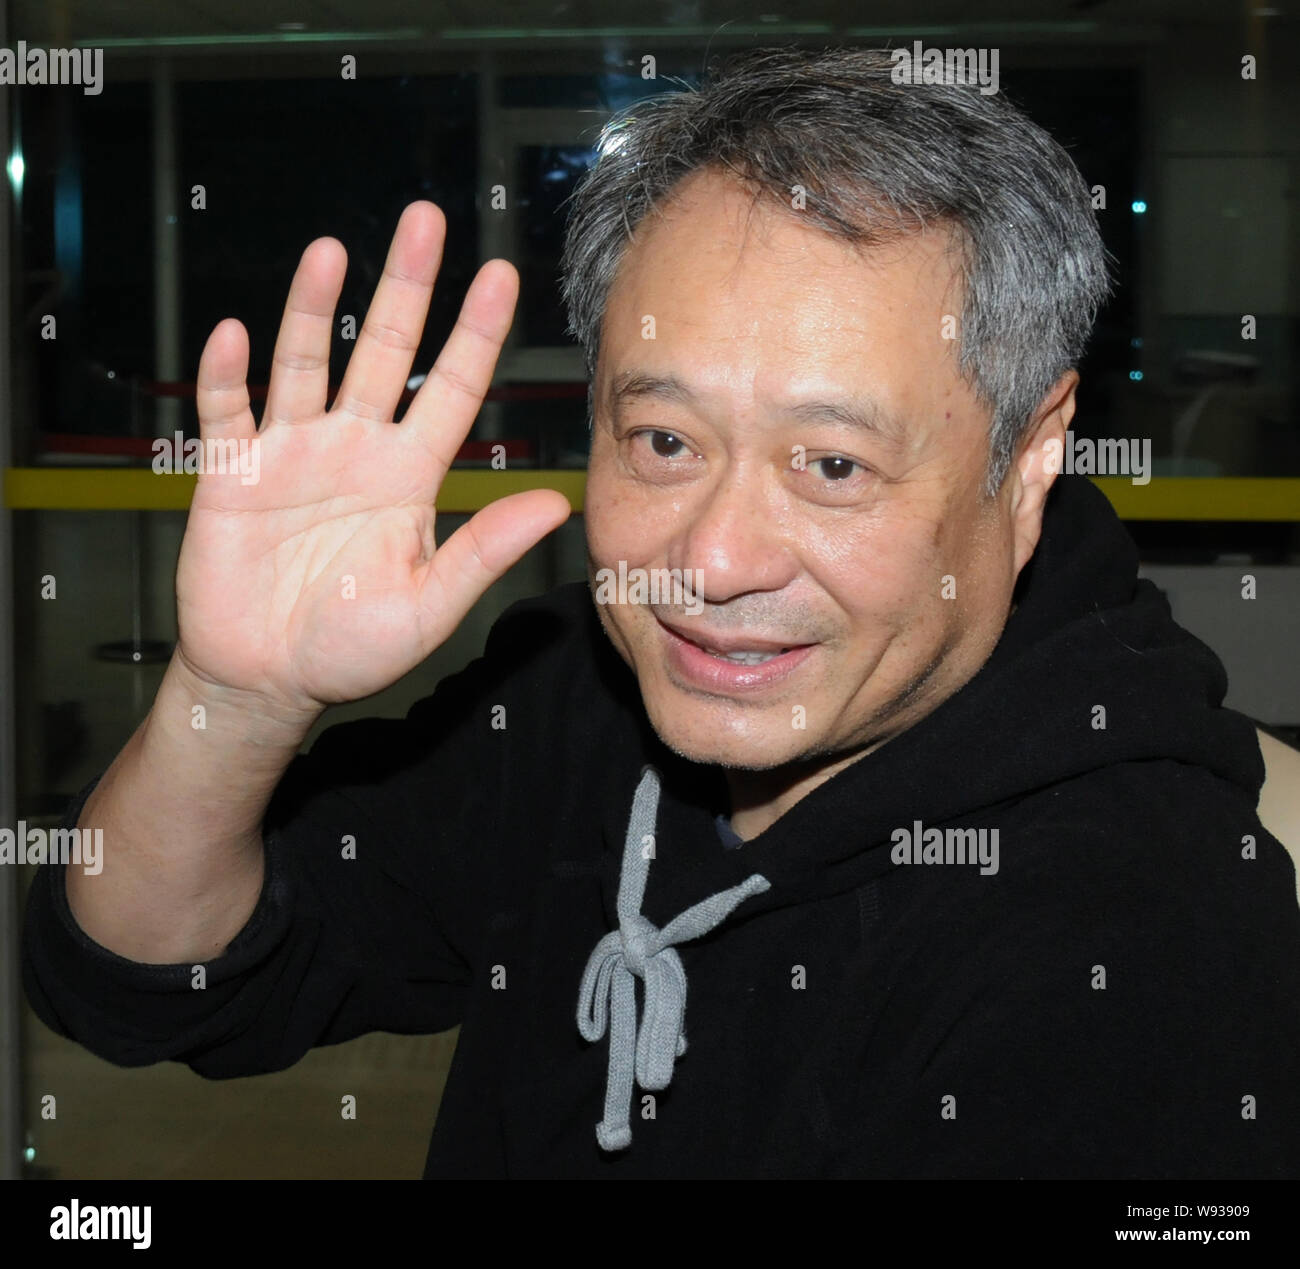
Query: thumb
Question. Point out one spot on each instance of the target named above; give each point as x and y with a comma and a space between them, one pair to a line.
483, 549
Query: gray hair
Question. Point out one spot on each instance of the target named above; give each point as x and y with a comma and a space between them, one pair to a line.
877, 160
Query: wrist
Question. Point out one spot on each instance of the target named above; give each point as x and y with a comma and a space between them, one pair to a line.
266, 718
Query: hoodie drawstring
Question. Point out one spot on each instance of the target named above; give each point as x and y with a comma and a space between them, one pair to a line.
607, 995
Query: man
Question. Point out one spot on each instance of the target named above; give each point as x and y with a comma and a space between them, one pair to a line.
872, 747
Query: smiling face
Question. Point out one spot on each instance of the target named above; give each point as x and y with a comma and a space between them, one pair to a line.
797, 434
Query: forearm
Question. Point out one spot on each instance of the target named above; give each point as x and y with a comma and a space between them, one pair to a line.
181, 811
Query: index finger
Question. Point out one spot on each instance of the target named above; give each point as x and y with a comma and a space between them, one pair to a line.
448, 402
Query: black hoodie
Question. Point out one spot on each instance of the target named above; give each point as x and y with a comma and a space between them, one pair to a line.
1117, 996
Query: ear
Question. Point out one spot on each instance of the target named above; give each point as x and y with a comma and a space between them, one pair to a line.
1038, 463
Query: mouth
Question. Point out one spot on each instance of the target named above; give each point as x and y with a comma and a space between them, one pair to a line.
730, 663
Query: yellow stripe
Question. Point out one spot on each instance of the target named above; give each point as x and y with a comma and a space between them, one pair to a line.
138, 489
466, 490
1203, 497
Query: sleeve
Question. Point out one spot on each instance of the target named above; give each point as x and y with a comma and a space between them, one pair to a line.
365, 921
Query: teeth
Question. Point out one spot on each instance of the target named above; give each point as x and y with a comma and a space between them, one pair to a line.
743, 658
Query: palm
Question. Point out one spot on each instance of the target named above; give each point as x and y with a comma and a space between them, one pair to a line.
320, 582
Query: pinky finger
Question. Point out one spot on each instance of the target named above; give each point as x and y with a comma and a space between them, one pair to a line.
222, 394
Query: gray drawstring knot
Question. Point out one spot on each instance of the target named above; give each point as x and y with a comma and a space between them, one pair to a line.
607, 996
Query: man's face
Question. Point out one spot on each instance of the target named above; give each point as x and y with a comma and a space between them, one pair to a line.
796, 431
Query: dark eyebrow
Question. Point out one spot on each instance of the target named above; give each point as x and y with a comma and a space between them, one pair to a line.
861, 413
632, 384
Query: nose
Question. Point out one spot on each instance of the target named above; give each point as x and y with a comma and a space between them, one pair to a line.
734, 537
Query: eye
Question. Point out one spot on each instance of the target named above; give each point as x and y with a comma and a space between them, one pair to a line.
834, 468
657, 443
658, 455
834, 479
665, 444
